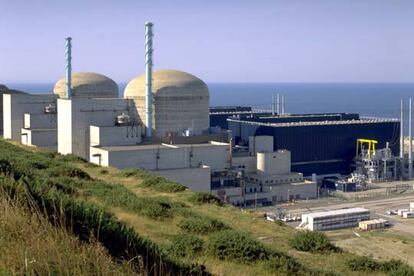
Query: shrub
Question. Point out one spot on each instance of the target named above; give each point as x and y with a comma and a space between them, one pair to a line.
157, 183
5, 167
282, 264
70, 158
232, 245
69, 172
203, 198
202, 225
392, 267
103, 171
312, 241
161, 184
363, 263
139, 173
185, 245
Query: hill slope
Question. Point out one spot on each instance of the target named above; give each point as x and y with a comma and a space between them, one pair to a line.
160, 227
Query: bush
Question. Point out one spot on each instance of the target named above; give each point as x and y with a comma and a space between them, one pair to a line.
161, 184
232, 245
205, 198
138, 173
202, 225
392, 267
185, 245
282, 264
157, 183
69, 172
312, 241
363, 263
103, 171
5, 167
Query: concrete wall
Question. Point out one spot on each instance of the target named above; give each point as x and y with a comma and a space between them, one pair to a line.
260, 144
115, 135
40, 121
78, 115
45, 138
164, 157
64, 126
273, 162
248, 162
215, 155
293, 191
14, 108
196, 179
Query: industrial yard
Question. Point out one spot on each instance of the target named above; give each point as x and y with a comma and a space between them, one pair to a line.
394, 241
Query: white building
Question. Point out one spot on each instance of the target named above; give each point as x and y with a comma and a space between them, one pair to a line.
335, 219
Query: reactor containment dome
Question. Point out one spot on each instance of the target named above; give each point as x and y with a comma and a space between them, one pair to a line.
88, 85
180, 102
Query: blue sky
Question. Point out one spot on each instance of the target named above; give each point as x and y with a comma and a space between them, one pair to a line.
219, 41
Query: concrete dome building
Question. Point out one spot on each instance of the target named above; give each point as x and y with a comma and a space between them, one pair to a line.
88, 85
180, 102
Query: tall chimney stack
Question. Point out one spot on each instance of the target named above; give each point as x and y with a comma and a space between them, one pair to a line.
410, 145
68, 53
148, 77
273, 105
402, 130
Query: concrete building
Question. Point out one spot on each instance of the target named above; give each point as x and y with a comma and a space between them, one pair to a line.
25, 119
161, 125
5, 90
335, 219
263, 177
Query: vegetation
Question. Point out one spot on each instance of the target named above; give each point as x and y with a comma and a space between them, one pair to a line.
157, 183
31, 245
156, 229
185, 245
312, 241
202, 225
205, 198
282, 264
367, 264
232, 245
59, 188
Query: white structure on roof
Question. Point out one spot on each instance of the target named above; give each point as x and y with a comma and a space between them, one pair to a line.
334, 219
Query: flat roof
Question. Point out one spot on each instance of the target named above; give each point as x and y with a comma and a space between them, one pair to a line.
336, 212
159, 146
362, 120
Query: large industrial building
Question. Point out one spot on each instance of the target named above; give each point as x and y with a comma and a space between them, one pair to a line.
324, 144
161, 124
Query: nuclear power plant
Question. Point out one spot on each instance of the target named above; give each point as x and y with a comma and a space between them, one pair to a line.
164, 124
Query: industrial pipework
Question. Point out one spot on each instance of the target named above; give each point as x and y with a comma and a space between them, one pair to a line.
68, 53
148, 77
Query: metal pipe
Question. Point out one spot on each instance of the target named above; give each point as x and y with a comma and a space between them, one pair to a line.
148, 77
402, 130
410, 144
282, 105
273, 105
68, 53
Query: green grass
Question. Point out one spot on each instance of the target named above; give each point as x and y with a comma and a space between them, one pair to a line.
172, 229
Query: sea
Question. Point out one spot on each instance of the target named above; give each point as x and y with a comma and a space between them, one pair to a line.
367, 99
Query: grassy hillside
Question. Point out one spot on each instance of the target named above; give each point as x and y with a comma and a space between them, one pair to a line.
160, 227
31, 245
